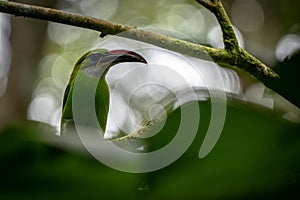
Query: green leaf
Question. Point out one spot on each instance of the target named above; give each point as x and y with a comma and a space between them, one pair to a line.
36, 164
256, 156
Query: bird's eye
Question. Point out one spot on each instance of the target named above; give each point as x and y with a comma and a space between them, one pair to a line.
95, 56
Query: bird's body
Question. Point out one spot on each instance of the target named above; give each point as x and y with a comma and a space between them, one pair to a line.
91, 67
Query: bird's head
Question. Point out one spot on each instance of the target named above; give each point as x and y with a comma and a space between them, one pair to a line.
97, 62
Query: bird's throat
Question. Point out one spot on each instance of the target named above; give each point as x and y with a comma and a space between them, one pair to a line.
95, 71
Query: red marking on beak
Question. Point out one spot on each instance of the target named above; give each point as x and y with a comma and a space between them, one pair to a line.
132, 54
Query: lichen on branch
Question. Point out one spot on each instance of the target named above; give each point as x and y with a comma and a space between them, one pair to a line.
242, 58
229, 37
232, 54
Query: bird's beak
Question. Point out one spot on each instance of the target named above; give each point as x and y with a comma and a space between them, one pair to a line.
119, 56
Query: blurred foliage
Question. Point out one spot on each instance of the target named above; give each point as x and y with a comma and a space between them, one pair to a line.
256, 157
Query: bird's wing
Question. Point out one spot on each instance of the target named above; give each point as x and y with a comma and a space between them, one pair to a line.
67, 108
102, 102
66, 94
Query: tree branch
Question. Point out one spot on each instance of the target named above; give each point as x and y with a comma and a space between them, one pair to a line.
242, 58
110, 28
232, 54
229, 37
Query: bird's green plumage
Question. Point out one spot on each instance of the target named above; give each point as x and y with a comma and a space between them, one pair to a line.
92, 66
102, 102
102, 91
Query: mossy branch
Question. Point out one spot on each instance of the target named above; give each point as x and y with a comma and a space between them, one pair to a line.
229, 37
243, 59
232, 54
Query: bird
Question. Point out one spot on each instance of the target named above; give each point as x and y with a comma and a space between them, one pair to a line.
94, 65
